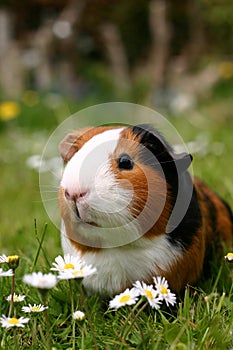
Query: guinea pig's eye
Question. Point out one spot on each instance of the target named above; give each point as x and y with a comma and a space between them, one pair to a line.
125, 162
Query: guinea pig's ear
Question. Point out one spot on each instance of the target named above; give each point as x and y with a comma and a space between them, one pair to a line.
153, 140
71, 143
182, 161
68, 147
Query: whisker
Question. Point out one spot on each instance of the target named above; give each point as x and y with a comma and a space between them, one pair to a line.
49, 186
50, 199
49, 191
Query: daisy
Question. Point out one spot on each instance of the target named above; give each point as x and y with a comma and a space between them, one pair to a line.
78, 315
11, 260
34, 308
16, 298
69, 262
6, 273
80, 272
149, 292
128, 297
40, 280
229, 257
9, 322
164, 292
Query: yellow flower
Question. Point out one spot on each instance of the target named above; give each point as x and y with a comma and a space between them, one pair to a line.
34, 308
161, 285
30, 98
128, 297
13, 261
149, 292
9, 110
226, 69
16, 298
8, 322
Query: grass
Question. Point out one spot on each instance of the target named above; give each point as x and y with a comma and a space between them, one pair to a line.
202, 318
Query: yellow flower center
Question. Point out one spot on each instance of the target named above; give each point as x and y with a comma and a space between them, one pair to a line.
124, 299
164, 290
13, 261
229, 255
13, 321
77, 273
35, 308
12, 258
149, 294
16, 298
68, 266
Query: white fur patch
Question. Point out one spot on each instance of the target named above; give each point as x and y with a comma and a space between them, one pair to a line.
81, 170
118, 267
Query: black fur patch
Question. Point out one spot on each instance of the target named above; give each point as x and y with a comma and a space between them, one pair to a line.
183, 233
154, 142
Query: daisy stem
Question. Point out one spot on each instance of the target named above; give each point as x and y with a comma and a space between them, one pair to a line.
2, 344
84, 331
129, 316
34, 332
12, 294
42, 336
84, 302
124, 335
16, 339
48, 334
48, 330
44, 294
72, 312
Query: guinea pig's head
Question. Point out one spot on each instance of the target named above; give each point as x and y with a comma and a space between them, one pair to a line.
116, 184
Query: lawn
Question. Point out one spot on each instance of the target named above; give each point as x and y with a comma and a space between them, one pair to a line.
201, 319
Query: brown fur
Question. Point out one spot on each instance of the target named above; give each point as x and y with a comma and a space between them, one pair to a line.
211, 235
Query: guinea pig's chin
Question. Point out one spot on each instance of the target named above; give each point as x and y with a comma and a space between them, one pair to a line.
82, 217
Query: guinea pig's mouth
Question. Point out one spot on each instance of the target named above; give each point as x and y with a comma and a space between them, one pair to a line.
80, 220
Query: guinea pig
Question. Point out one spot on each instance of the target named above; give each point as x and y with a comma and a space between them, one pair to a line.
130, 208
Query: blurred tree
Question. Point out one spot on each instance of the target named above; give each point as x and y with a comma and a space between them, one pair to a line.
67, 45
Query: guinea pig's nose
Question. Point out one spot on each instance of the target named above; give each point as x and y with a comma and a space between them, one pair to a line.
75, 196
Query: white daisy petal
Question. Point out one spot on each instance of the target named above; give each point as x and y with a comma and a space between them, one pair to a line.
40, 280
163, 290
160, 281
128, 297
78, 315
69, 262
6, 273
16, 298
35, 308
149, 293
3, 258
9, 322
79, 270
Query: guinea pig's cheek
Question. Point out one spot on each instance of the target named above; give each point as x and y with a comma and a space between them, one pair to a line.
113, 199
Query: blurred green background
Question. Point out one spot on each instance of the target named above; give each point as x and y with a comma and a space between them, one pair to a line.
57, 57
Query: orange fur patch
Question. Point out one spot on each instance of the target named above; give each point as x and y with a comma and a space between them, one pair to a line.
150, 188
